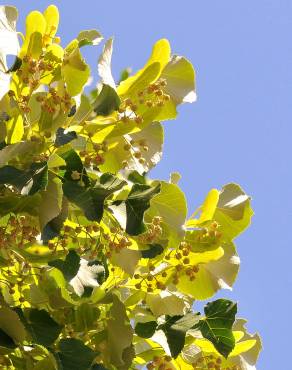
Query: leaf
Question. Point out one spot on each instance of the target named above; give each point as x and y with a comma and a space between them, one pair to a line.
43, 329
11, 325
120, 332
75, 72
89, 37
75, 355
35, 23
39, 178
107, 101
180, 80
175, 330
148, 141
207, 209
12, 151
135, 177
6, 341
13, 176
91, 200
69, 267
248, 346
35, 45
74, 164
64, 137
218, 270
153, 251
127, 259
29, 181
125, 73
86, 316
55, 161
51, 15
146, 329
15, 129
104, 64
83, 111
137, 203
174, 177
9, 44
159, 58
51, 203
15, 66
233, 212
54, 226
217, 325
19, 204
170, 204
168, 303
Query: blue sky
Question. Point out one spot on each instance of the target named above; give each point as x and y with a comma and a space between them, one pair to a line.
239, 130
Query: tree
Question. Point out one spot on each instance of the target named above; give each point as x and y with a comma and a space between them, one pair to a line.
100, 266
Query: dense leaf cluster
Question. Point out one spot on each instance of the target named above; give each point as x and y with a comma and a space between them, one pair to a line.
100, 267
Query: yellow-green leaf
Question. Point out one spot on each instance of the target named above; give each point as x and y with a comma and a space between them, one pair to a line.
35, 22
75, 72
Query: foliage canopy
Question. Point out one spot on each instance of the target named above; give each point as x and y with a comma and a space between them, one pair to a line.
100, 266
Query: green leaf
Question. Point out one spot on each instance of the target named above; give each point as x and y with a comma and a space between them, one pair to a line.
170, 204
74, 164
175, 330
137, 203
125, 73
146, 329
120, 332
75, 355
43, 329
86, 316
6, 341
28, 182
153, 251
233, 212
51, 203
64, 137
11, 325
17, 150
39, 177
217, 325
135, 177
54, 226
107, 101
69, 267
89, 37
218, 273
127, 259
75, 72
35, 45
150, 72
13, 176
19, 204
149, 140
91, 200
15, 129
15, 66
35, 22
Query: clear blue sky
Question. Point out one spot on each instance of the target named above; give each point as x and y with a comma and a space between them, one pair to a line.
239, 130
